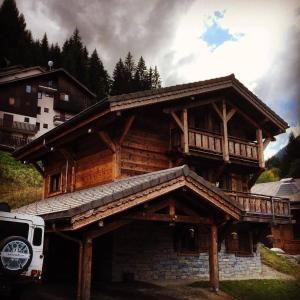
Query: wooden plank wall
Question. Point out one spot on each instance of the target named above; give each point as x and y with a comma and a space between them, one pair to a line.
145, 148
94, 169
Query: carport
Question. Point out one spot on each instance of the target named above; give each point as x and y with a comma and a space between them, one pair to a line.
173, 198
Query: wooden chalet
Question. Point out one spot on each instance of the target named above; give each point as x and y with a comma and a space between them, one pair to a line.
155, 185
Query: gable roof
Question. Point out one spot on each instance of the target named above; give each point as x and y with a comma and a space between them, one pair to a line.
45, 73
107, 197
162, 95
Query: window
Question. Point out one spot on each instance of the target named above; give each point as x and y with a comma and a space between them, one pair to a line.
45, 125
8, 229
38, 110
50, 82
46, 109
38, 125
64, 97
239, 241
37, 236
26, 120
28, 89
191, 239
40, 95
11, 101
54, 183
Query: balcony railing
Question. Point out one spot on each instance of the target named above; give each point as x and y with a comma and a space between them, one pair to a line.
254, 204
11, 141
58, 119
16, 126
213, 143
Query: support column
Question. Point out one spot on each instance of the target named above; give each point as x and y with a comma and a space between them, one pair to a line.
185, 131
260, 147
213, 258
87, 269
225, 132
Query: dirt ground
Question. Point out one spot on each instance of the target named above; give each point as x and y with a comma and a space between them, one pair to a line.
125, 291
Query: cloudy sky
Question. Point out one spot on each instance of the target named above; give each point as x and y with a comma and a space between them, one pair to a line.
258, 41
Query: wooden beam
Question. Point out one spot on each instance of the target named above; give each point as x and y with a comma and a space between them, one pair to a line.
145, 216
266, 142
185, 131
260, 148
225, 132
172, 209
213, 258
231, 113
117, 162
107, 228
87, 268
216, 108
107, 141
126, 129
192, 105
177, 120
39, 169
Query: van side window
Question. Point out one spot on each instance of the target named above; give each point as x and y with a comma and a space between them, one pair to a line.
37, 237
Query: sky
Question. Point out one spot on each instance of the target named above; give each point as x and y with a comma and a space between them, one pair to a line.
190, 40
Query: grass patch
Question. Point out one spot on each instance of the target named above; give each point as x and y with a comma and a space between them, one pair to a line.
19, 184
278, 262
258, 289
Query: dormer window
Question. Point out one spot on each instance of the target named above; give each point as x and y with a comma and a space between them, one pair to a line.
64, 97
55, 183
28, 89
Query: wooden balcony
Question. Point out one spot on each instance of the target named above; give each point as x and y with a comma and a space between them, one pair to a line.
8, 141
276, 209
20, 127
209, 142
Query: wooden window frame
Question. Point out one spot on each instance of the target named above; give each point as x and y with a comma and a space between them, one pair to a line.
199, 231
50, 193
239, 252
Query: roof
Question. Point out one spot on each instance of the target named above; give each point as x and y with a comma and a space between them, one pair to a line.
69, 205
289, 188
44, 73
148, 97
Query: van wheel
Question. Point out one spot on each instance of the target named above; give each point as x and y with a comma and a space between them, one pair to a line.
15, 255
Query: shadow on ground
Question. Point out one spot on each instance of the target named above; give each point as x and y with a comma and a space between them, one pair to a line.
124, 291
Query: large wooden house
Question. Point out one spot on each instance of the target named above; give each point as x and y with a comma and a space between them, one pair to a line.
34, 100
155, 185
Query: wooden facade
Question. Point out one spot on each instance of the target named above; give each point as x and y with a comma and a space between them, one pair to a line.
218, 128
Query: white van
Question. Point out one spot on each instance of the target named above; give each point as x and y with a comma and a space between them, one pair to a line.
21, 247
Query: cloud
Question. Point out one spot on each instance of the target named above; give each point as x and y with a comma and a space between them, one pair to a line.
113, 27
215, 35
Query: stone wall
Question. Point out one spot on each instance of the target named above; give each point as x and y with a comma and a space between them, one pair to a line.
147, 251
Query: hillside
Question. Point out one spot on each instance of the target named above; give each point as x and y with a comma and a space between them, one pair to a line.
19, 184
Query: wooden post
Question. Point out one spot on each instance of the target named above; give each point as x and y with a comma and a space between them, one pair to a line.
185, 131
87, 269
213, 258
260, 148
225, 132
117, 162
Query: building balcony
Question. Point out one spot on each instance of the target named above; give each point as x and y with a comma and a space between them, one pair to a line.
211, 143
59, 119
18, 127
262, 207
11, 142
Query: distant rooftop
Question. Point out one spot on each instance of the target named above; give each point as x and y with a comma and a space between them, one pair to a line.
287, 187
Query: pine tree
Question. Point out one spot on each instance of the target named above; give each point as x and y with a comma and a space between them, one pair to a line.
98, 76
119, 81
55, 55
44, 51
75, 57
15, 40
141, 76
156, 82
129, 68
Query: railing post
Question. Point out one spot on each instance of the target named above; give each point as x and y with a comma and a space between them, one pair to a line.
273, 209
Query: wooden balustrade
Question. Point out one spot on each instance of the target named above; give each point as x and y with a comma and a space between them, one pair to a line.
261, 204
212, 142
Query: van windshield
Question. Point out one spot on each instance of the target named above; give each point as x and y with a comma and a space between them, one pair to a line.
8, 229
